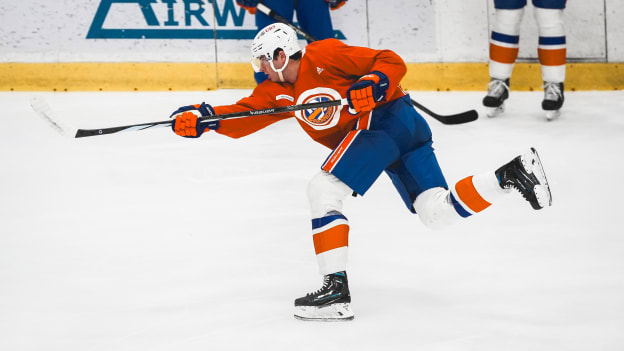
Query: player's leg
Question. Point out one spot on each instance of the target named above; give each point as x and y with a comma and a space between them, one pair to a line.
314, 18
330, 233
438, 207
354, 165
551, 52
504, 46
283, 8
417, 175
420, 181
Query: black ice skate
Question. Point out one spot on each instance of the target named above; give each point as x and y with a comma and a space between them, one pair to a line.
498, 92
526, 174
330, 303
553, 99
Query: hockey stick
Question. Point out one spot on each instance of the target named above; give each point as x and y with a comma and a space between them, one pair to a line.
44, 111
458, 118
267, 111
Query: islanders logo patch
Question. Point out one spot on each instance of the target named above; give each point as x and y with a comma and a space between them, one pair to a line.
319, 118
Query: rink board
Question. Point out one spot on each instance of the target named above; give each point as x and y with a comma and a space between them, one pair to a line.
210, 76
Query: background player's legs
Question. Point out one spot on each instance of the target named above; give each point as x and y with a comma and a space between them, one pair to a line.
504, 40
314, 18
504, 46
551, 52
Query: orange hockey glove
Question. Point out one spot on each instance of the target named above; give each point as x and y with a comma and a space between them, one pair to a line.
367, 91
187, 123
249, 5
335, 4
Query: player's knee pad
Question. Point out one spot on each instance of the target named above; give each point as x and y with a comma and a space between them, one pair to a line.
508, 21
549, 22
434, 208
326, 193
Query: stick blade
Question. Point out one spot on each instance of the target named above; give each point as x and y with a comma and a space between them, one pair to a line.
459, 118
43, 110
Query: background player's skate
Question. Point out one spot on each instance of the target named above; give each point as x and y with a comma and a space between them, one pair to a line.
553, 100
494, 101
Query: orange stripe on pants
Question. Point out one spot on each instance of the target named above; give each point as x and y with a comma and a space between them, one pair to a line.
339, 151
555, 57
503, 54
469, 195
331, 238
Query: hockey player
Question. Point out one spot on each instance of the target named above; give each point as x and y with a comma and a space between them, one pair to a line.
313, 17
504, 51
380, 131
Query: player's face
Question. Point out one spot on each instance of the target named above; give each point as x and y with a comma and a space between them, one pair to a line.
278, 62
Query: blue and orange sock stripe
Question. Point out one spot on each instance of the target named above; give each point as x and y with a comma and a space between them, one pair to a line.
330, 232
504, 47
552, 51
466, 199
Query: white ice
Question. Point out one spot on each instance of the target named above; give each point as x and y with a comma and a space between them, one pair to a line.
147, 241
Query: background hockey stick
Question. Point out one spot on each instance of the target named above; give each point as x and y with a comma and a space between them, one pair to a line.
276, 16
267, 111
458, 118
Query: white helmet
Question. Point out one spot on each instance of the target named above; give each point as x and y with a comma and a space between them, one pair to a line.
272, 37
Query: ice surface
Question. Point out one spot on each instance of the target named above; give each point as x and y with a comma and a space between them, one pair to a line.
148, 241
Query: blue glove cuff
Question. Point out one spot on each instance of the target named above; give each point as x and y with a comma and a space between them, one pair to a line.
204, 109
384, 83
212, 125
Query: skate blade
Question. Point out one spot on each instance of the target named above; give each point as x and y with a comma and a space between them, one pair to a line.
533, 164
552, 115
494, 111
337, 312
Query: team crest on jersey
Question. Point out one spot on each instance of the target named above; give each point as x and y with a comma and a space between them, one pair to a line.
319, 118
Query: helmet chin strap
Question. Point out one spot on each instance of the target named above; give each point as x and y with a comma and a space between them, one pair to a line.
279, 71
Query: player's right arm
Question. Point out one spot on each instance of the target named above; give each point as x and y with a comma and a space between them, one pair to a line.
265, 96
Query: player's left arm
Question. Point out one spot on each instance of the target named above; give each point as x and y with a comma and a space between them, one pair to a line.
187, 122
240, 127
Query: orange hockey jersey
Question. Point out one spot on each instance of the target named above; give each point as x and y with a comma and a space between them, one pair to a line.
328, 68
